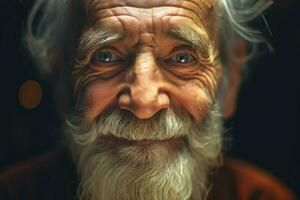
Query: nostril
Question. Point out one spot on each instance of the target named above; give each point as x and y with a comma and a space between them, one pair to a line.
163, 101
124, 98
124, 101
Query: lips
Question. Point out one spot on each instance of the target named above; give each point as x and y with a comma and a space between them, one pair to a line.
171, 143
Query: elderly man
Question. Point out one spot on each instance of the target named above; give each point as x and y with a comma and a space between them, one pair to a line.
144, 85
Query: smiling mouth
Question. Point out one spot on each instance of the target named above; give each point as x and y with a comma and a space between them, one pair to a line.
172, 143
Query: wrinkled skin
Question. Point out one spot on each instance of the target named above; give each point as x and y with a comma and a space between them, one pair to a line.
136, 58
147, 69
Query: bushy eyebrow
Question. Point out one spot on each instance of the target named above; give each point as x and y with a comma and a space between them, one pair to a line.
196, 38
92, 40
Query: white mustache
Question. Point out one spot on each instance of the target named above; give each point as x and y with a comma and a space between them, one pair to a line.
123, 124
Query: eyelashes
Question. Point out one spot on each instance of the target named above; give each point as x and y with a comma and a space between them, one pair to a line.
106, 58
184, 62
110, 57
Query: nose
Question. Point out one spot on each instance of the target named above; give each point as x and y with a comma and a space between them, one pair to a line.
145, 94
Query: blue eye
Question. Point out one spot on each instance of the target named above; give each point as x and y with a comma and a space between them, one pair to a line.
183, 58
105, 57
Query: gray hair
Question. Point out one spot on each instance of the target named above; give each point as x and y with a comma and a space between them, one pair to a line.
47, 33
48, 41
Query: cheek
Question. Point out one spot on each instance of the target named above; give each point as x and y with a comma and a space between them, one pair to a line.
98, 96
195, 100
197, 94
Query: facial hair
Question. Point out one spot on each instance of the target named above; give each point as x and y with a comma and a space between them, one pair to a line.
125, 171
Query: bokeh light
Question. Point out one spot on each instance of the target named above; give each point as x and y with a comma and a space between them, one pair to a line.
30, 94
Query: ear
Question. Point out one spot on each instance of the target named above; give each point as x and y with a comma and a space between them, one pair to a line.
236, 62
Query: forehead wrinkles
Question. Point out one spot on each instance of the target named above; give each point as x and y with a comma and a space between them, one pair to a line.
147, 3
198, 9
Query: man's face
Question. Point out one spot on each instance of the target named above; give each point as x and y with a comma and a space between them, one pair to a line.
144, 80
146, 56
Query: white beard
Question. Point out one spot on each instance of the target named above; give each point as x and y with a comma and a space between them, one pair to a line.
128, 172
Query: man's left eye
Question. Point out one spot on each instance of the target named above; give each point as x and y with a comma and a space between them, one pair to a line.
183, 58
105, 57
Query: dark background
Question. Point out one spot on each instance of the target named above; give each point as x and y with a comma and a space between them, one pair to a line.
265, 129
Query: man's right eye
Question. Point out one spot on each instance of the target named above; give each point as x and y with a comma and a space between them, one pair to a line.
105, 58
107, 63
